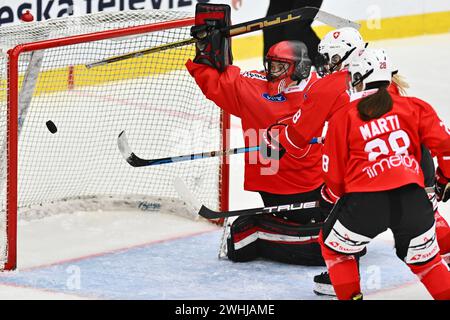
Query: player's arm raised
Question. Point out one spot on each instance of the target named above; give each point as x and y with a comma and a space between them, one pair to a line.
211, 66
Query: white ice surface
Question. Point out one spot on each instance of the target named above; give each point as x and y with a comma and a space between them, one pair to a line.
424, 61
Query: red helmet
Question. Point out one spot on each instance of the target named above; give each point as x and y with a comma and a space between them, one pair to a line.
293, 56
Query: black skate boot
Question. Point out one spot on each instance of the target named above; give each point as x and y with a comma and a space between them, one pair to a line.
323, 286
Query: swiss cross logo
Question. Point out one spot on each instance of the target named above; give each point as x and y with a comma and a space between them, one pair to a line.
336, 34
334, 244
416, 257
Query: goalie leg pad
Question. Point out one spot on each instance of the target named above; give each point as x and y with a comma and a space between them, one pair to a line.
289, 242
243, 240
275, 239
213, 48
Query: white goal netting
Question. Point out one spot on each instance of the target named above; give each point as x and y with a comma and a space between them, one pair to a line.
152, 98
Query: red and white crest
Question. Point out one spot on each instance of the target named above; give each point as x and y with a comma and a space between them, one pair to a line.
334, 244
336, 34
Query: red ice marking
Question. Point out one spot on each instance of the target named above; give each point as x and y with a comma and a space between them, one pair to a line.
51, 291
95, 255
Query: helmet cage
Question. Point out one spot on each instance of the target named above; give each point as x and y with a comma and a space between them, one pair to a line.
338, 46
286, 70
370, 66
333, 66
357, 78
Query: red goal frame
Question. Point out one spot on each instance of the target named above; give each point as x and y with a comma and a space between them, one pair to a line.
12, 116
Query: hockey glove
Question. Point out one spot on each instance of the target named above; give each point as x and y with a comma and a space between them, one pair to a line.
212, 47
289, 138
270, 148
442, 186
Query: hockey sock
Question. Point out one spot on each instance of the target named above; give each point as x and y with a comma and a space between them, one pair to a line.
343, 270
442, 233
435, 276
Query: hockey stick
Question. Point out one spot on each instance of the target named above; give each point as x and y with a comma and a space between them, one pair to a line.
306, 13
210, 214
186, 195
136, 161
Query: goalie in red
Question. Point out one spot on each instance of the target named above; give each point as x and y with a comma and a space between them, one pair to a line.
371, 164
260, 99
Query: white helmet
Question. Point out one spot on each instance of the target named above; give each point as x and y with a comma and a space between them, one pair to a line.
370, 65
339, 45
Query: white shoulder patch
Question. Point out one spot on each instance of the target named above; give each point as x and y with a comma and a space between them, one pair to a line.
301, 86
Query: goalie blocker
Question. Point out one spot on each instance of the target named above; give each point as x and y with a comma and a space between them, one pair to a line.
212, 47
287, 237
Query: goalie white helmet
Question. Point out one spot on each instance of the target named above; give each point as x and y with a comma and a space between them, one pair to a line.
369, 66
338, 47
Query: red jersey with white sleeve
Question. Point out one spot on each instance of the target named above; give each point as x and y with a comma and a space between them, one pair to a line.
384, 153
245, 95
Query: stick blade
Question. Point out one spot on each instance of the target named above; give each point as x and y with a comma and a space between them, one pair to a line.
208, 213
125, 150
186, 195
335, 21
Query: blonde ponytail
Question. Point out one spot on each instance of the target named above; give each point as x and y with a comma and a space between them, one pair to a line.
401, 83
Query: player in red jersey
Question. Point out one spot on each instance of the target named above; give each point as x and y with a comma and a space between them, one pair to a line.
371, 163
336, 49
434, 181
324, 98
327, 95
260, 99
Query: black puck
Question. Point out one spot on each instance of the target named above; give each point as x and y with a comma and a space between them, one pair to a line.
51, 126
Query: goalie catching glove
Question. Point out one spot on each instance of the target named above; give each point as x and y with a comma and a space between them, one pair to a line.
442, 186
212, 47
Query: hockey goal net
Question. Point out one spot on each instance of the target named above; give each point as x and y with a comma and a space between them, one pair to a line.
79, 167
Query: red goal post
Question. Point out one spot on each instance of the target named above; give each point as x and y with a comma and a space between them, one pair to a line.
122, 93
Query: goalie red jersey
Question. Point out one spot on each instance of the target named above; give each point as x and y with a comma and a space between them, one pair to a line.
383, 153
246, 96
